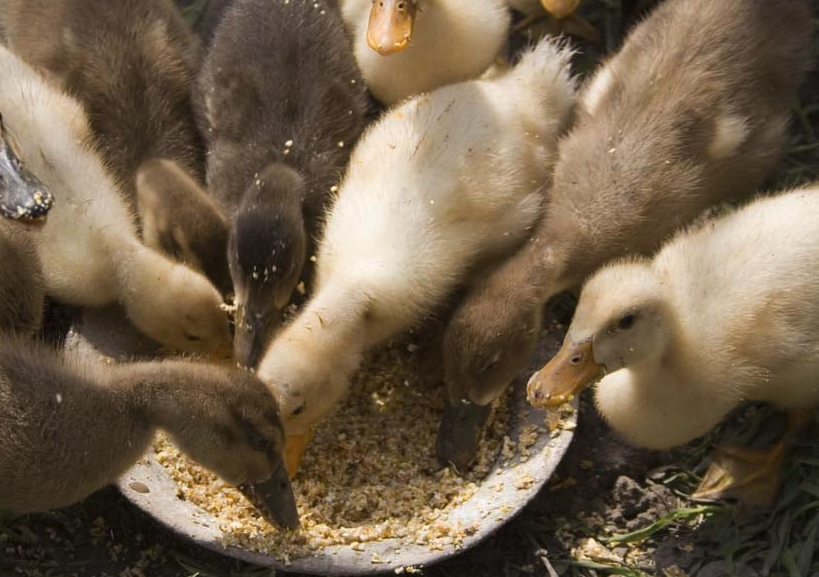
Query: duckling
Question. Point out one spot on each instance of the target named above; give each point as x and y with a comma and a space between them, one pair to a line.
430, 43
280, 130
22, 295
131, 64
725, 312
435, 187
70, 425
88, 247
664, 130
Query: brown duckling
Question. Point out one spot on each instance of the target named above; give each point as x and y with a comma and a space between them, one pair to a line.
22, 290
694, 109
69, 426
282, 104
131, 64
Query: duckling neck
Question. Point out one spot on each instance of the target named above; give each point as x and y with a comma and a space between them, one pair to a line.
160, 393
335, 324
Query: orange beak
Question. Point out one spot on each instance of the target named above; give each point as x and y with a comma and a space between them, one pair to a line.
569, 372
560, 8
294, 449
390, 27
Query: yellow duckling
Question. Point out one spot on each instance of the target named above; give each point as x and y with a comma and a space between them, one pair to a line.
429, 43
725, 313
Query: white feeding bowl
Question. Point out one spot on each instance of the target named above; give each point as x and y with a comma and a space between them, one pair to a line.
498, 499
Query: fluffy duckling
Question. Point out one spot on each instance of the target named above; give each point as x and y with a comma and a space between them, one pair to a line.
666, 128
21, 282
436, 186
430, 43
70, 426
131, 64
280, 130
88, 247
725, 313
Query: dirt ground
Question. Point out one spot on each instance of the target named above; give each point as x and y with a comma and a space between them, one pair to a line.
610, 510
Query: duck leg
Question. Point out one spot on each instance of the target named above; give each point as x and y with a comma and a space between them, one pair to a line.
749, 475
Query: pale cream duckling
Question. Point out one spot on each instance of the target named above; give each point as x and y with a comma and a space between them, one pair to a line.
70, 426
436, 186
405, 47
88, 247
666, 128
726, 312
131, 65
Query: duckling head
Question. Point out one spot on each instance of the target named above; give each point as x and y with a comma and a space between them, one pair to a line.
620, 323
173, 304
22, 195
240, 437
485, 344
309, 364
390, 26
267, 250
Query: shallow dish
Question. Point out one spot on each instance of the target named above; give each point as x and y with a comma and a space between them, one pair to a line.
498, 499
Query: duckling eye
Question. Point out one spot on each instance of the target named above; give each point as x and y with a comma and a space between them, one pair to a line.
626, 322
299, 410
193, 338
262, 444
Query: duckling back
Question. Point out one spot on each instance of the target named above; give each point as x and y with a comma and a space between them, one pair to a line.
130, 64
279, 84
694, 109
22, 289
744, 294
54, 417
448, 179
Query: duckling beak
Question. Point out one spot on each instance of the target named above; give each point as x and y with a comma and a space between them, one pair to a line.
460, 432
390, 26
560, 8
294, 449
22, 195
569, 372
250, 340
276, 497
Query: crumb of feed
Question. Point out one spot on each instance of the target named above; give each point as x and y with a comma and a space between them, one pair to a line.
370, 473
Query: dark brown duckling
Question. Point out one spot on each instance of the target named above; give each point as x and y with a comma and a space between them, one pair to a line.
22, 290
282, 103
131, 64
70, 425
693, 110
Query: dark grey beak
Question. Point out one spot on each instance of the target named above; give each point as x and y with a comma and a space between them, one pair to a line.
250, 340
460, 432
22, 195
276, 498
